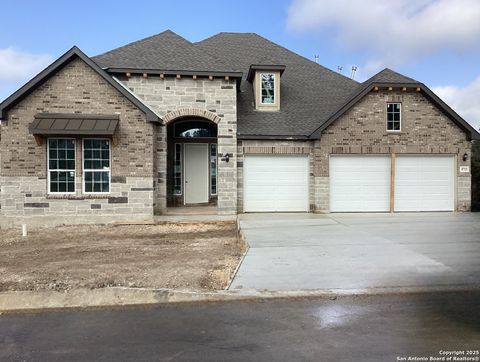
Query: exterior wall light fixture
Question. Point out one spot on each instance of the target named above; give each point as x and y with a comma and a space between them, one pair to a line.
226, 157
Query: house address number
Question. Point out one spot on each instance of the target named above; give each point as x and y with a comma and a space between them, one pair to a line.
464, 169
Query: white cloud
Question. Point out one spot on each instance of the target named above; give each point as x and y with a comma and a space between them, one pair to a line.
392, 32
17, 66
464, 100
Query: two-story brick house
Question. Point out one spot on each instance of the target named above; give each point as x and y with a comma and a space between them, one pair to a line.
233, 121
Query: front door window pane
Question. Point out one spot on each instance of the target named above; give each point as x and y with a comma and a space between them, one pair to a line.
213, 168
177, 170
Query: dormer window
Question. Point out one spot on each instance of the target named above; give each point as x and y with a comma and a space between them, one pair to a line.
265, 81
267, 88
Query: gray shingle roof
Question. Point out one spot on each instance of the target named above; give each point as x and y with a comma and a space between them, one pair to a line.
164, 51
309, 91
388, 76
312, 96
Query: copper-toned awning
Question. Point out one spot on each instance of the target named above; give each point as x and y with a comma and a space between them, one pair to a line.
74, 124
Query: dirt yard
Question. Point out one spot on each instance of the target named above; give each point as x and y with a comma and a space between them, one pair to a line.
198, 256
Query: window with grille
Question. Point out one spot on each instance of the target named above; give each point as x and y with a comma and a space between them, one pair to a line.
394, 117
96, 165
267, 85
213, 168
177, 170
61, 165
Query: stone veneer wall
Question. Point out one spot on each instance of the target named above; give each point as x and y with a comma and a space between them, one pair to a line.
362, 130
278, 147
75, 88
189, 97
24, 200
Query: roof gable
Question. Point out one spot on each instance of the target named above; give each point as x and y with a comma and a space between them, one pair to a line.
388, 77
58, 64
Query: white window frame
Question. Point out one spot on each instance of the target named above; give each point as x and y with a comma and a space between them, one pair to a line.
95, 170
274, 88
386, 118
61, 170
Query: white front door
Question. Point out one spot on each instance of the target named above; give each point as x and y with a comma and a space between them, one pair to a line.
424, 183
196, 173
359, 183
275, 183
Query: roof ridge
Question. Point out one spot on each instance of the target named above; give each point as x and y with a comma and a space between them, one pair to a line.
286, 49
311, 61
225, 32
374, 77
167, 31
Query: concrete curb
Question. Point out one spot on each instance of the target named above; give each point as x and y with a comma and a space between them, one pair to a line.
24, 301
241, 238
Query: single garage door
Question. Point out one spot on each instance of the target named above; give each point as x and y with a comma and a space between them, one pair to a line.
424, 183
359, 183
275, 183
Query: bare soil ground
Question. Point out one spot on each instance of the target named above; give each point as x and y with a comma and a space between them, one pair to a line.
198, 256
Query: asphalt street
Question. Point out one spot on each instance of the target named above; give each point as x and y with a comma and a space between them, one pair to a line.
367, 328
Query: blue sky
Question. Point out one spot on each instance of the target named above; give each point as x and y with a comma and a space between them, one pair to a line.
434, 41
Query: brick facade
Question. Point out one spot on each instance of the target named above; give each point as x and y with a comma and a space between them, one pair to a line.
362, 130
139, 161
76, 88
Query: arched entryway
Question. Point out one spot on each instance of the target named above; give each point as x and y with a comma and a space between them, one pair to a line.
192, 162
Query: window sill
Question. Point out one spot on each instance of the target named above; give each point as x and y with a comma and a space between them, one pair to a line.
394, 132
267, 109
77, 197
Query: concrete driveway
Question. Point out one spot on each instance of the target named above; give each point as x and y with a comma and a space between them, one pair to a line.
359, 251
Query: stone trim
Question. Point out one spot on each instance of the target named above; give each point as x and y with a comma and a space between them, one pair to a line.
76, 197
407, 149
191, 112
275, 150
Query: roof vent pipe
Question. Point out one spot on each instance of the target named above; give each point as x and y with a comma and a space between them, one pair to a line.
354, 69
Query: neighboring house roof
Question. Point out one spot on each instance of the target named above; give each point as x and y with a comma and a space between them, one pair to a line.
309, 91
164, 52
386, 78
58, 64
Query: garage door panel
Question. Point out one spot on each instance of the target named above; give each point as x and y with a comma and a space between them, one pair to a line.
424, 183
275, 183
359, 183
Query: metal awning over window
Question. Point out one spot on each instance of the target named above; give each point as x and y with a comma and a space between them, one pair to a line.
74, 124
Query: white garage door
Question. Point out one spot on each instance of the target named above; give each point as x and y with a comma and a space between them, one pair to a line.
359, 183
424, 183
275, 183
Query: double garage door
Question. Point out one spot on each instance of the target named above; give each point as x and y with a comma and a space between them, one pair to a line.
367, 184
